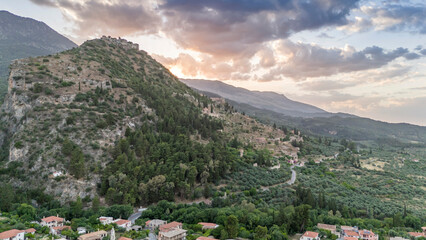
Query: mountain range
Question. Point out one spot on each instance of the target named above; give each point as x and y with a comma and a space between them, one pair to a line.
275, 108
22, 37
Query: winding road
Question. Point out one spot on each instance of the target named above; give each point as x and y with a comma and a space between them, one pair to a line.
293, 176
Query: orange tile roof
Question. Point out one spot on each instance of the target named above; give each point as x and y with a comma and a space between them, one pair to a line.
205, 238
205, 224
350, 238
415, 234
124, 238
60, 228
30, 230
326, 226
52, 219
310, 234
10, 233
121, 221
169, 226
367, 232
351, 233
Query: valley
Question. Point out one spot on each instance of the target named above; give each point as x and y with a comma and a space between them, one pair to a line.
103, 129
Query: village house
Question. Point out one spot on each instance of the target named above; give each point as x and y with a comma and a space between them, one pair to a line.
350, 233
57, 230
81, 230
126, 224
368, 235
172, 231
205, 238
52, 221
172, 234
57, 174
105, 220
350, 238
348, 228
331, 228
308, 235
155, 223
30, 231
208, 225
397, 238
13, 234
124, 238
170, 226
415, 234
99, 235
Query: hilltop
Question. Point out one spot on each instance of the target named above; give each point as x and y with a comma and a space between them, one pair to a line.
105, 118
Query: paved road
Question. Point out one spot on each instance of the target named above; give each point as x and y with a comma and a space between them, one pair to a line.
152, 236
293, 176
136, 215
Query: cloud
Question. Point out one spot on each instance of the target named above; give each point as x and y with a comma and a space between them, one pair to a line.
116, 18
412, 56
217, 26
310, 61
389, 16
325, 85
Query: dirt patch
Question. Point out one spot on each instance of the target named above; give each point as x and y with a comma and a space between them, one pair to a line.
373, 164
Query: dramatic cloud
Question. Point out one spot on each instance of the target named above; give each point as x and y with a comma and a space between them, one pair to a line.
230, 27
401, 16
308, 60
116, 18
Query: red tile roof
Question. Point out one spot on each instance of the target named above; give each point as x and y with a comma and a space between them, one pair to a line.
10, 233
366, 232
205, 238
121, 221
30, 230
350, 238
326, 226
52, 219
310, 234
415, 234
171, 225
205, 224
60, 228
351, 233
124, 238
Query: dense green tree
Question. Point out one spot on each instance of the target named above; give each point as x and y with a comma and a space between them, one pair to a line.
231, 226
261, 233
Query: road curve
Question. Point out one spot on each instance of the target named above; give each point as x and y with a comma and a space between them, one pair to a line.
293, 176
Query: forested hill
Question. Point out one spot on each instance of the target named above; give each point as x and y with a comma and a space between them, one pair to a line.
108, 119
22, 37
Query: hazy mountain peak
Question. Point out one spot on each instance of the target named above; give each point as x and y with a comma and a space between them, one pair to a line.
263, 100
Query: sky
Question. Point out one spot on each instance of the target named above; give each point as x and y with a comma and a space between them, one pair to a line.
364, 57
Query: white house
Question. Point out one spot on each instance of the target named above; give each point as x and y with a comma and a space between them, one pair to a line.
81, 230
52, 221
123, 223
57, 174
155, 223
208, 225
106, 220
13, 234
310, 236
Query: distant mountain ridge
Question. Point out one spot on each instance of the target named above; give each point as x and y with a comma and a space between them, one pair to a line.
276, 108
22, 37
263, 100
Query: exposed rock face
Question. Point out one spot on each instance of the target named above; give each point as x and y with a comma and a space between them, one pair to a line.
60, 97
